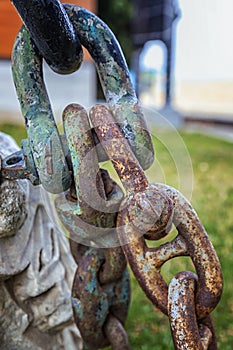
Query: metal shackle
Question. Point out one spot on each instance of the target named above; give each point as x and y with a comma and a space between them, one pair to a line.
42, 132
148, 212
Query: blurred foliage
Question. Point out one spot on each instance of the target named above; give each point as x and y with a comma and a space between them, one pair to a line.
118, 15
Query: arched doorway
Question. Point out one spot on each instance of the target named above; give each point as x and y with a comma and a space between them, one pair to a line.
152, 76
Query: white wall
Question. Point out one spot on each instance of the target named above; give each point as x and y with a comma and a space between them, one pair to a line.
204, 43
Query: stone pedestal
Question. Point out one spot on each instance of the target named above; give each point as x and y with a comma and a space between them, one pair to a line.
36, 270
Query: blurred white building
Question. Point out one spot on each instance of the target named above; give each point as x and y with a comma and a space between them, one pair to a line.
203, 71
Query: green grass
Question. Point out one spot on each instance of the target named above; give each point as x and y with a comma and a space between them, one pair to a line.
15, 130
212, 197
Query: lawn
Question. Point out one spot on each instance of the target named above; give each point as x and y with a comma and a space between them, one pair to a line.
212, 197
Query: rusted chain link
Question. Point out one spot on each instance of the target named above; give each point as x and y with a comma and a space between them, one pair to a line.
191, 240
101, 290
101, 298
147, 213
187, 331
88, 210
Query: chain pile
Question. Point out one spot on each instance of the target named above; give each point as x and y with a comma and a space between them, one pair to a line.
106, 226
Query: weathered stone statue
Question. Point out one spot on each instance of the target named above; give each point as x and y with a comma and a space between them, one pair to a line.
36, 270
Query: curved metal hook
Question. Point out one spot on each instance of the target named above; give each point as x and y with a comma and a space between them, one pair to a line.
52, 32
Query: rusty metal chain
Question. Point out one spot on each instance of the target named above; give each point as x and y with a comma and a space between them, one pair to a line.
101, 290
101, 297
147, 213
46, 159
96, 213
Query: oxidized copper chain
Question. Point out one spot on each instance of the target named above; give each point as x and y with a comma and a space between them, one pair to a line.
95, 212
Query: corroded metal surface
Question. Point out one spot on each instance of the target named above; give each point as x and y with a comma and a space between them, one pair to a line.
117, 148
42, 132
116, 333
52, 32
90, 208
200, 249
100, 307
15, 166
192, 240
83, 156
115, 80
187, 331
148, 212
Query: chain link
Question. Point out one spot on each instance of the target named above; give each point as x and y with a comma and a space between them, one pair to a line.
147, 212
187, 330
101, 298
101, 290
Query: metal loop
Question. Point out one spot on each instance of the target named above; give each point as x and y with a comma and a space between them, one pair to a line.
42, 132
100, 310
83, 156
116, 334
115, 80
192, 240
89, 213
187, 332
200, 249
113, 267
52, 32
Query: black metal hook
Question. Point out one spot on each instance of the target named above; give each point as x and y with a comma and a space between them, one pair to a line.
52, 32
